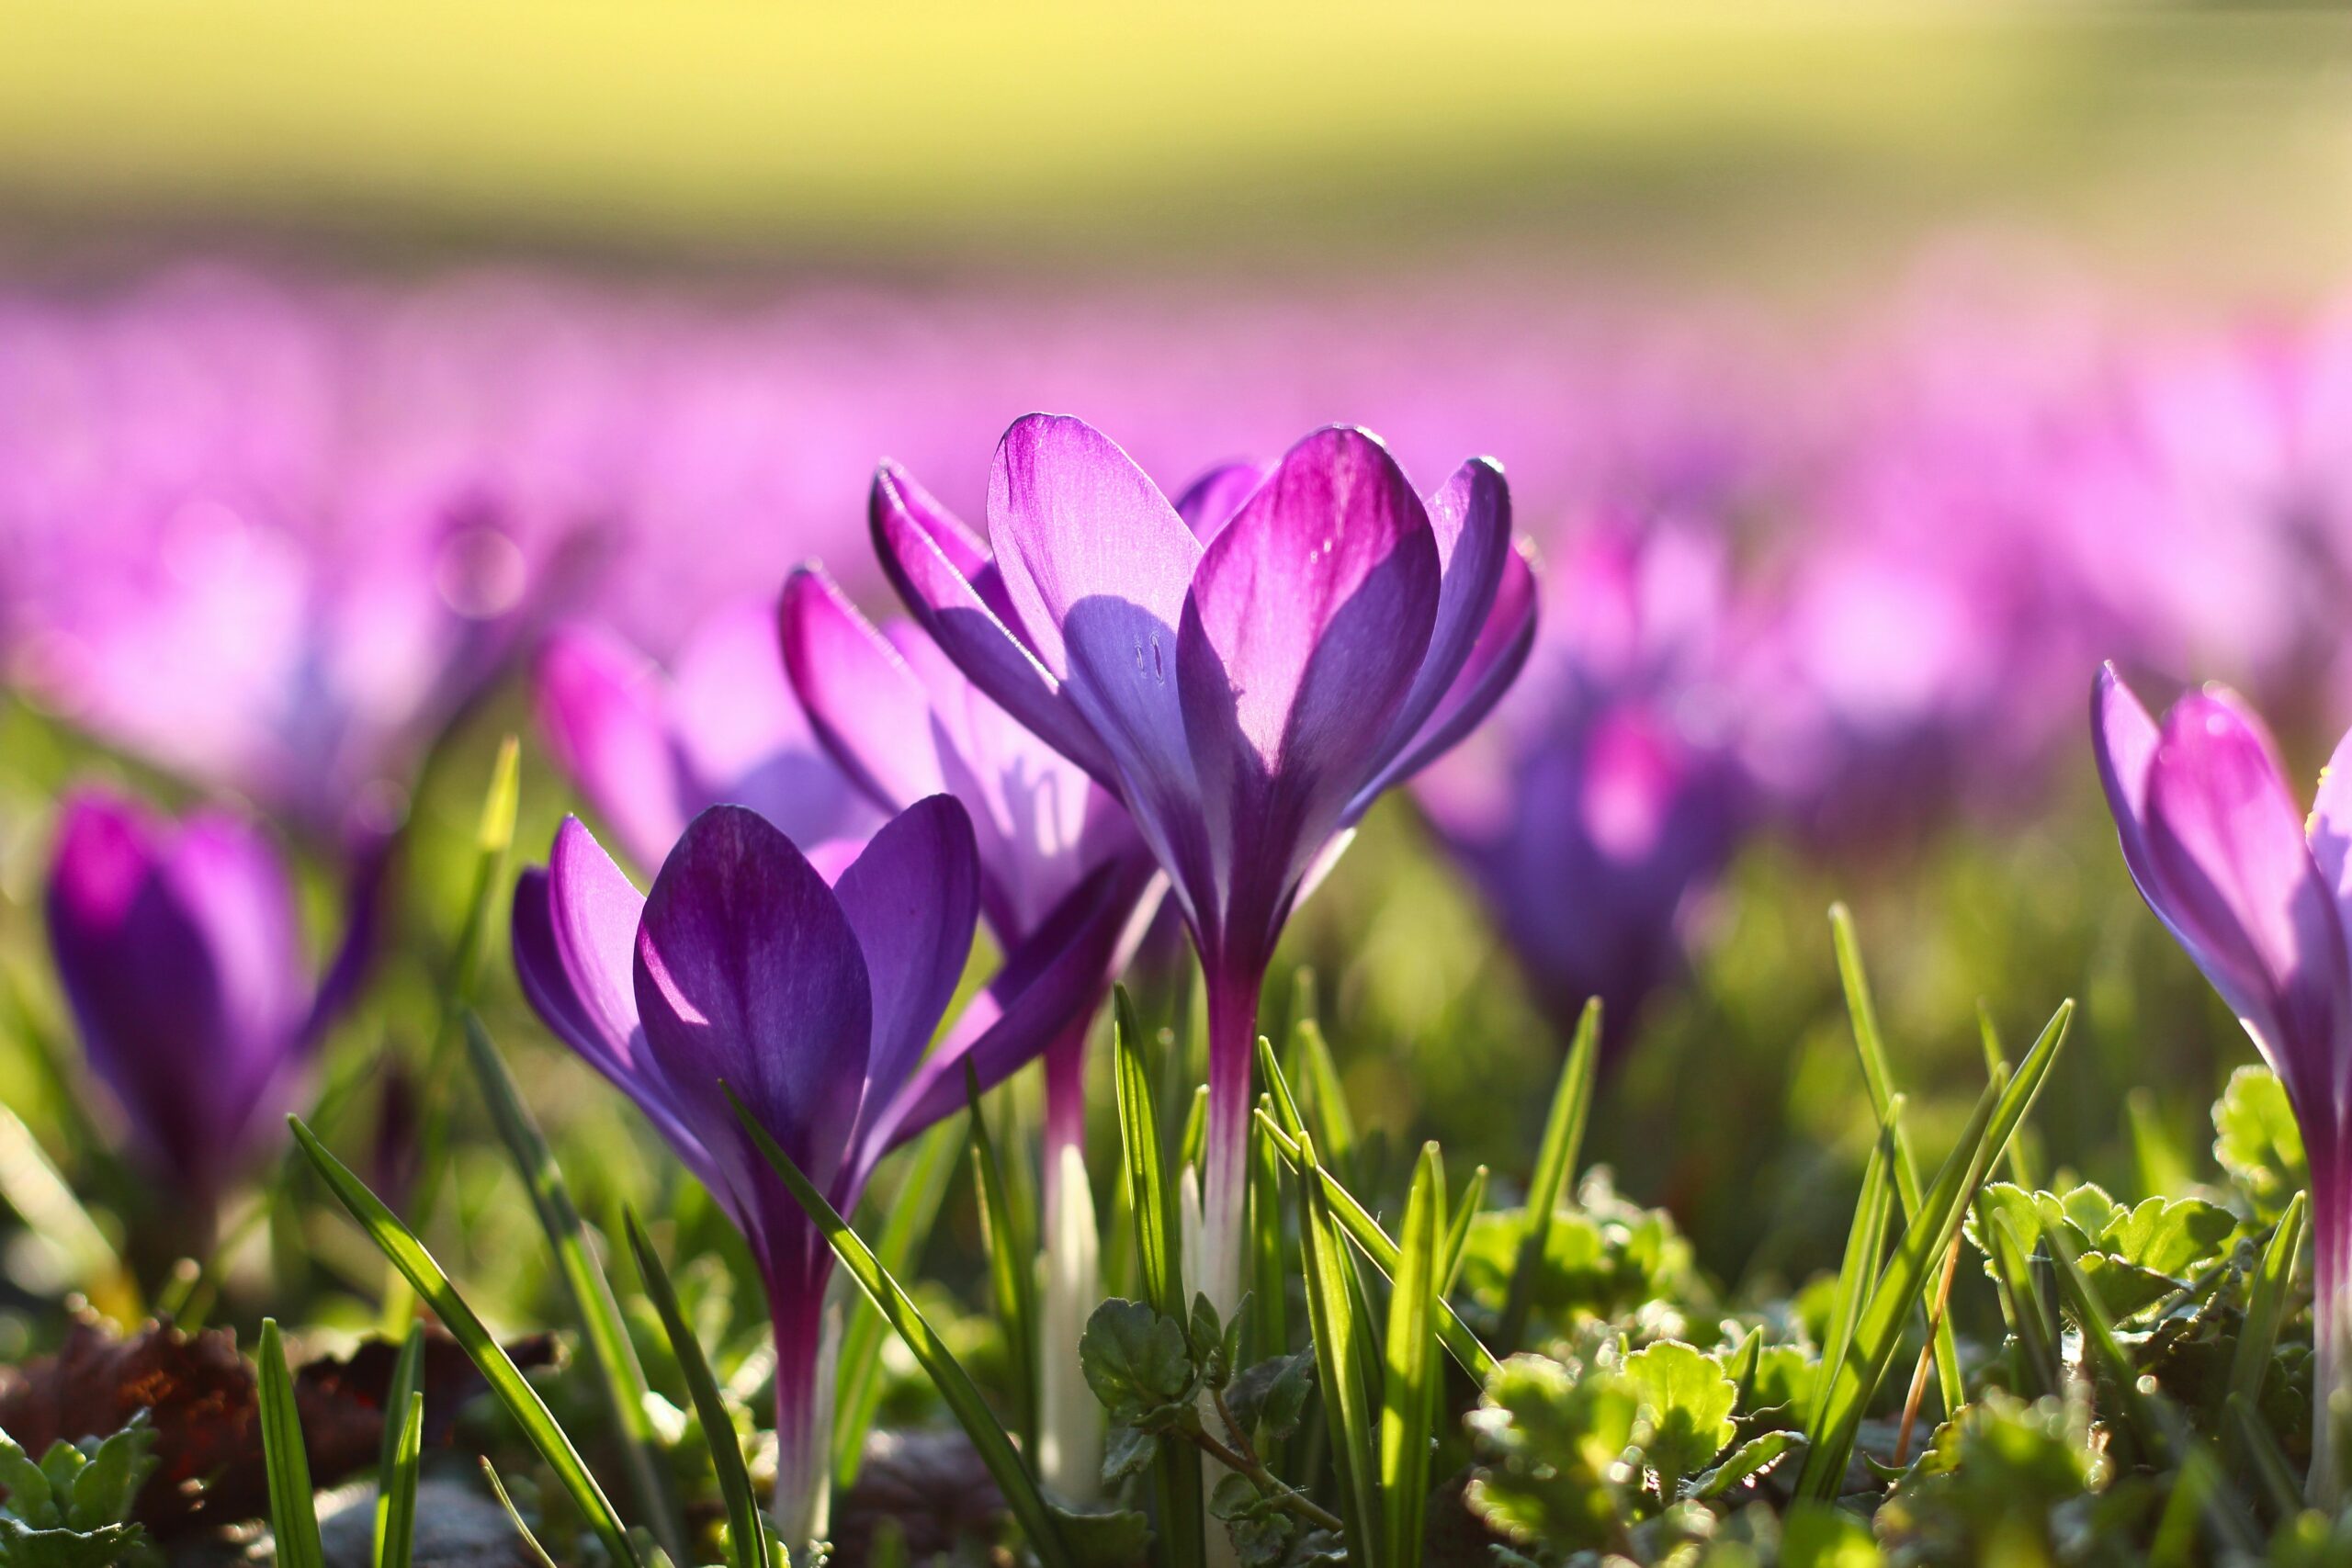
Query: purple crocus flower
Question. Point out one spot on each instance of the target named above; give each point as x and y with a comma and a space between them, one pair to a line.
1604, 796
180, 952
1245, 687
650, 749
811, 997
2257, 897
904, 723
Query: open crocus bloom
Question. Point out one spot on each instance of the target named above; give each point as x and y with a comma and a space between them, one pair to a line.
1246, 685
813, 1000
650, 749
180, 952
904, 723
2212, 837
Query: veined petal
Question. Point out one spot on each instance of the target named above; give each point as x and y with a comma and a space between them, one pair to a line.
964, 551
866, 707
2233, 870
1495, 660
2123, 742
599, 708
1308, 620
914, 900
1211, 502
747, 973
973, 632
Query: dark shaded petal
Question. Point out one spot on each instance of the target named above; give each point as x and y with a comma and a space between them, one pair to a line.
914, 900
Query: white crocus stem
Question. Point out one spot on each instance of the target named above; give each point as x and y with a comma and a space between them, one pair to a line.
1069, 1419
1201, 1255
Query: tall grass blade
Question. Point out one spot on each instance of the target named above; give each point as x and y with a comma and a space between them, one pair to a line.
1326, 1100
1176, 1474
929, 1171
747, 1535
530, 1543
1414, 1372
522, 1401
1555, 1159
1457, 1239
293, 1508
1268, 1309
996, 1449
603, 1335
1463, 1345
1878, 1074
1012, 1275
2265, 1308
1858, 1271
1335, 1331
397, 1459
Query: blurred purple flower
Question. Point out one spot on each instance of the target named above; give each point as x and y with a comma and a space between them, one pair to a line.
2258, 896
813, 1000
180, 952
1604, 796
650, 750
1246, 697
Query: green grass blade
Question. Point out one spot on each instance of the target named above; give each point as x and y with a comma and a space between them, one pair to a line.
293, 1508
1463, 1345
522, 1401
1457, 1239
2026, 1313
2245, 1430
1335, 1331
1413, 1372
2265, 1308
1865, 1251
1268, 1311
1555, 1159
1285, 1111
1878, 1074
1326, 1100
1176, 1473
1857, 1372
747, 1535
2020, 1161
996, 1449
396, 1462
1196, 1130
530, 1543
604, 1338
928, 1171
1012, 1275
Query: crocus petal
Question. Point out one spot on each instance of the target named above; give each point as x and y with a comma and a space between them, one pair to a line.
600, 708
1045, 984
970, 629
1307, 622
866, 707
2330, 824
1210, 501
1470, 522
966, 552
914, 900
747, 973
2123, 742
2232, 872
1502, 652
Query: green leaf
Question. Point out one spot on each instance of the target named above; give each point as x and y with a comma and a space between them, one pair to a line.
1012, 1275
929, 1169
1375, 1244
293, 1511
1126, 1450
530, 1543
1550, 1445
2265, 1309
1753, 1457
1134, 1360
1555, 1159
2173, 1235
1269, 1324
997, 1452
747, 1535
1338, 1334
1176, 1477
603, 1336
1816, 1535
111, 1545
522, 1401
1878, 1076
27, 1487
1413, 1374
1270, 1398
1111, 1538
2257, 1142
1686, 1399
106, 1488
396, 1459
1830, 1438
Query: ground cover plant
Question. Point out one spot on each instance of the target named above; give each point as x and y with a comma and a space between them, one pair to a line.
1264, 1021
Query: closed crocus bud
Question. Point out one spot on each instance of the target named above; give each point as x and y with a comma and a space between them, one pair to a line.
181, 956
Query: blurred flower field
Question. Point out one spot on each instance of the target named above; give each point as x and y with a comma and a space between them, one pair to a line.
1292, 895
